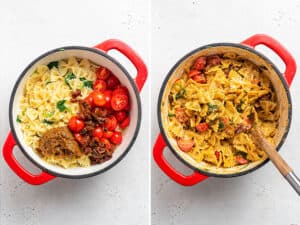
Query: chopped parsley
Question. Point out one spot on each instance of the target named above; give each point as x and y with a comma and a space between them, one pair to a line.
18, 119
48, 114
171, 114
212, 108
239, 106
180, 94
86, 83
53, 64
47, 121
69, 76
221, 125
60, 105
49, 82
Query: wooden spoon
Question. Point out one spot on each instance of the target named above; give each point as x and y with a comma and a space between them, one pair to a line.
278, 161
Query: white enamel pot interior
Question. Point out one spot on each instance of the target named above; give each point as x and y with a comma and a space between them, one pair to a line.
100, 58
269, 69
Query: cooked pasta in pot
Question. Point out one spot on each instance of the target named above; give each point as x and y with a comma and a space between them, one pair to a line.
213, 105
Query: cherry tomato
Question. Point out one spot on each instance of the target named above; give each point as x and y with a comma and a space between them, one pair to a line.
199, 63
90, 99
119, 101
241, 160
116, 138
107, 97
217, 154
98, 132
111, 123
99, 98
121, 90
99, 85
76, 124
185, 144
78, 137
202, 127
125, 123
106, 143
200, 79
112, 82
102, 73
108, 134
193, 73
120, 115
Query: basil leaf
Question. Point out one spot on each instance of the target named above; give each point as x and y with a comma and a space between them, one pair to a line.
88, 83
60, 105
53, 64
171, 114
82, 78
69, 76
221, 125
47, 121
18, 119
212, 108
180, 94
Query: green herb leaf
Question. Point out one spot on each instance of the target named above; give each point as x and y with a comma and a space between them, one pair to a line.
180, 94
49, 82
47, 121
171, 114
239, 106
53, 64
37, 135
212, 108
82, 78
221, 125
243, 154
88, 83
48, 114
69, 76
60, 105
18, 119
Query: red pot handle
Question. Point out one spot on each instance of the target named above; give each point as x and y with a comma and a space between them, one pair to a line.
131, 55
189, 180
279, 49
38, 179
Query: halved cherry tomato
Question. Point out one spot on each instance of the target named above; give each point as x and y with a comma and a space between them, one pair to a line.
78, 137
90, 99
99, 85
125, 123
116, 138
106, 143
119, 101
112, 82
99, 98
241, 160
185, 144
199, 63
98, 132
202, 127
121, 90
193, 73
76, 124
217, 154
111, 123
102, 73
107, 97
108, 134
120, 115
200, 79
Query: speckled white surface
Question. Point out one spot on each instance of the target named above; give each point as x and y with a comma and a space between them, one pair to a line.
119, 196
262, 197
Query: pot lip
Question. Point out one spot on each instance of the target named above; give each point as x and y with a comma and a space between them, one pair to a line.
137, 96
245, 47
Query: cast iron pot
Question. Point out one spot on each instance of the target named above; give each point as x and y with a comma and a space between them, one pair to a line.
98, 55
280, 82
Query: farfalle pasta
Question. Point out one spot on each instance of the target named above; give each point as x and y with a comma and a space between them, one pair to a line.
213, 105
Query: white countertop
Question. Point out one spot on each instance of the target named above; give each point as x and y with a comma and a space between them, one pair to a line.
118, 196
262, 197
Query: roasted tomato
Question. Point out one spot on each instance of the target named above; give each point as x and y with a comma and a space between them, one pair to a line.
100, 85
106, 143
98, 132
125, 123
199, 63
107, 97
116, 138
78, 137
119, 101
108, 134
102, 73
76, 124
112, 82
217, 154
121, 90
185, 144
120, 115
90, 99
202, 127
200, 79
111, 123
241, 160
99, 98
193, 73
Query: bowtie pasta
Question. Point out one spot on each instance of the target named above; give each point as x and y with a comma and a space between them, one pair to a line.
213, 105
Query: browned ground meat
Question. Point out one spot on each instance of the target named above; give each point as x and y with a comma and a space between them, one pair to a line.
213, 60
59, 142
181, 115
75, 94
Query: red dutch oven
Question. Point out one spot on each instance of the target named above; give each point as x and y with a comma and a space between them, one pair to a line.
281, 83
98, 55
